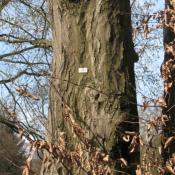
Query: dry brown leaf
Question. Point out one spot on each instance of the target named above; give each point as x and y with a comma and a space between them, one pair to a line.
45, 159
141, 141
43, 144
148, 125
131, 133
132, 150
124, 162
168, 142
22, 91
126, 138
164, 118
162, 102
35, 98
166, 73
167, 87
12, 114
146, 29
160, 150
50, 147
25, 171
138, 170
145, 104
21, 132
49, 165
106, 158
134, 140
28, 162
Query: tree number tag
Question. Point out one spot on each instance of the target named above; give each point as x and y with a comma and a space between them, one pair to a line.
83, 70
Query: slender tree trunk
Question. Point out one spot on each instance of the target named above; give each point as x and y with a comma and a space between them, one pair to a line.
95, 35
169, 129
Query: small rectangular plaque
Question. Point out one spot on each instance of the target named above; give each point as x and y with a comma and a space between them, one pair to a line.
83, 70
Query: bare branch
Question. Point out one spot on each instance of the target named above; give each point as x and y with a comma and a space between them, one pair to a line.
3, 3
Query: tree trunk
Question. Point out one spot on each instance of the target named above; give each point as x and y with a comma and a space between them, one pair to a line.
169, 95
95, 35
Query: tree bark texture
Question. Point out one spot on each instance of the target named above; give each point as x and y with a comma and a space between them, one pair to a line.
97, 35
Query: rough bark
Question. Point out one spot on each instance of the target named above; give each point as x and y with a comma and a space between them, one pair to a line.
95, 34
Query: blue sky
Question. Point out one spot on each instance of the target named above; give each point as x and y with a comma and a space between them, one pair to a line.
149, 81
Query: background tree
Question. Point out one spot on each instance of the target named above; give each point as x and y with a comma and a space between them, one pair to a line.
168, 76
12, 155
